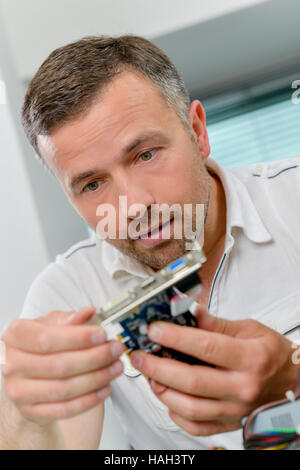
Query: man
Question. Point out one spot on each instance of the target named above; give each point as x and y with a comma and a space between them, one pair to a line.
110, 117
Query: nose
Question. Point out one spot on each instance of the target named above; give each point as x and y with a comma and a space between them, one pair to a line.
135, 197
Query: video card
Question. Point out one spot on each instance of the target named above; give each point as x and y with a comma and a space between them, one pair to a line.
167, 295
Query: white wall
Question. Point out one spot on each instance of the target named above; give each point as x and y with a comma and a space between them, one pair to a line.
248, 45
61, 226
36, 27
215, 44
22, 247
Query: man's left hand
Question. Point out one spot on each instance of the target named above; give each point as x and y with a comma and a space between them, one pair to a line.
253, 367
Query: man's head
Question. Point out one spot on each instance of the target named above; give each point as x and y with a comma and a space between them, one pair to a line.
111, 117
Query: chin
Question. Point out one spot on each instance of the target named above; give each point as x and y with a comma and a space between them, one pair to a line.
157, 256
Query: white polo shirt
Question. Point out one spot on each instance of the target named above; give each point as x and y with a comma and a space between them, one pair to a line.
258, 277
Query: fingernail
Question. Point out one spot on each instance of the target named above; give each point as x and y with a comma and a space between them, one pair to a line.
103, 393
156, 388
136, 360
98, 337
155, 332
116, 368
117, 348
160, 389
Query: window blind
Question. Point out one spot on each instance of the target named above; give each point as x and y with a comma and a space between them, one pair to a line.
246, 131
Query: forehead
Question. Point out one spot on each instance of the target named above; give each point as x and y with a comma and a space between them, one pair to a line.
128, 105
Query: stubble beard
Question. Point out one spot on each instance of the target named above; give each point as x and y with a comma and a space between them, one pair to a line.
157, 256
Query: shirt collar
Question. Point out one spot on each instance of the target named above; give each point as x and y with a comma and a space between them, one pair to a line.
119, 265
241, 212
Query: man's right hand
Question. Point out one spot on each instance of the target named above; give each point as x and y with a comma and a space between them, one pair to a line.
57, 366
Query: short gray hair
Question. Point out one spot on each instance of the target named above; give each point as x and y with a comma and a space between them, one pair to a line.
72, 77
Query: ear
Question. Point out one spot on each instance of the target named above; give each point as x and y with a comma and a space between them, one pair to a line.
197, 118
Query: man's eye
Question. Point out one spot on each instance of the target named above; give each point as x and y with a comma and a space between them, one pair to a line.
93, 186
146, 156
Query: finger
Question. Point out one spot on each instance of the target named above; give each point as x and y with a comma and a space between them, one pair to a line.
63, 318
208, 428
202, 409
35, 337
195, 380
66, 409
29, 391
82, 316
237, 329
211, 347
210, 322
61, 365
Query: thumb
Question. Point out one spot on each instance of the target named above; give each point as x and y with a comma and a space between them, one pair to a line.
60, 318
209, 322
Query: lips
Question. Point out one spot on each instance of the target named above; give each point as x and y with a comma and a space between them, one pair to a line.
161, 234
154, 230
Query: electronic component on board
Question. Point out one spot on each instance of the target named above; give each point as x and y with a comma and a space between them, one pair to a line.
167, 295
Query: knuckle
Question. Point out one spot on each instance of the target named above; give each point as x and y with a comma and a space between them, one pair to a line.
221, 412
27, 411
12, 391
191, 410
63, 411
8, 368
261, 360
43, 342
10, 330
209, 349
173, 334
99, 378
241, 411
70, 408
234, 412
250, 392
258, 361
149, 365
250, 322
193, 384
57, 391
41, 413
58, 368
193, 429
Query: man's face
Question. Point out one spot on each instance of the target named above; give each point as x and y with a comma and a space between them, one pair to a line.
130, 143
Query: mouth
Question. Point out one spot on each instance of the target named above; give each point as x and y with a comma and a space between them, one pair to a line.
154, 230
156, 234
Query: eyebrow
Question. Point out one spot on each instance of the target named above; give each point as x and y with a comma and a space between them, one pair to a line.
77, 179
